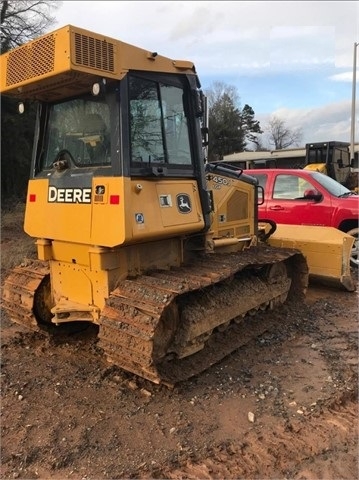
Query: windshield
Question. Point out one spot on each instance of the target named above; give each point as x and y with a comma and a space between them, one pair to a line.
333, 187
82, 127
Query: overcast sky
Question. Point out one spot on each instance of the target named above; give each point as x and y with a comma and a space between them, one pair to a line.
293, 60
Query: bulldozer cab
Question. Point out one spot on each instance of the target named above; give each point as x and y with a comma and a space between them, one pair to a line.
117, 149
87, 128
92, 148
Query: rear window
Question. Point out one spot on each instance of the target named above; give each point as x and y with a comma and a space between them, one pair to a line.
80, 127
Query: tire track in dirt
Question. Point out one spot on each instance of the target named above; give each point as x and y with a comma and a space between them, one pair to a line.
67, 414
288, 450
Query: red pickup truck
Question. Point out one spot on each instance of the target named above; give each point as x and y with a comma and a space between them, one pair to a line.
304, 197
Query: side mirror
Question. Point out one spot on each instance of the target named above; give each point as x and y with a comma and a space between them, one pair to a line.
199, 103
311, 194
204, 131
354, 163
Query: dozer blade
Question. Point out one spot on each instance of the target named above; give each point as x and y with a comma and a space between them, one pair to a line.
326, 249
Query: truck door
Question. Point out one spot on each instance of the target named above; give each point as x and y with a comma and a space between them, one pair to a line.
294, 199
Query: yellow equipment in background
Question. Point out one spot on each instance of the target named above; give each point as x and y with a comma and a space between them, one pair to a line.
326, 249
332, 159
135, 232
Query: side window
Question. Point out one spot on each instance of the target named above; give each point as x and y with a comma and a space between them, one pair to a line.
158, 124
341, 157
291, 187
145, 122
175, 126
306, 189
262, 181
286, 187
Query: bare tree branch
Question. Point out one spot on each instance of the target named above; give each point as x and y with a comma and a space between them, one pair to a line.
24, 20
280, 136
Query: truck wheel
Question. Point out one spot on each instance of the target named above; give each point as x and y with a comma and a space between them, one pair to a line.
354, 257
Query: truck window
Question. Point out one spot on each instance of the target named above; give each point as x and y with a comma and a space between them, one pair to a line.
262, 180
290, 187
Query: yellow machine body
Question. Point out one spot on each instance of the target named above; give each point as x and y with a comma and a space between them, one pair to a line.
333, 159
326, 249
317, 167
143, 214
67, 61
136, 211
135, 232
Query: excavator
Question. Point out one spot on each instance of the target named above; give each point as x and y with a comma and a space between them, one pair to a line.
135, 231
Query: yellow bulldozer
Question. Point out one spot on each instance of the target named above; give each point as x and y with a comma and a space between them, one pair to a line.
135, 231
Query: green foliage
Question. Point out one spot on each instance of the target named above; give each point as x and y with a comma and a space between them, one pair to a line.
230, 127
250, 125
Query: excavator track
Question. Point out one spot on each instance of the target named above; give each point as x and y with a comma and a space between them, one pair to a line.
165, 326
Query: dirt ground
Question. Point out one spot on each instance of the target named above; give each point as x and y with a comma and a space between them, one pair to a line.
283, 406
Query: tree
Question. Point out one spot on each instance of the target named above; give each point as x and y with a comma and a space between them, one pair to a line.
16, 147
259, 145
280, 136
230, 127
250, 126
24, 20
21, 21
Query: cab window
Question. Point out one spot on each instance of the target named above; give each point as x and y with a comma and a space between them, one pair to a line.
82, 127
159, 131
